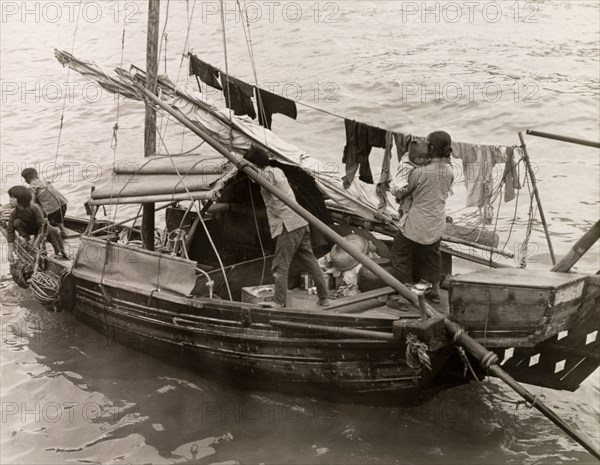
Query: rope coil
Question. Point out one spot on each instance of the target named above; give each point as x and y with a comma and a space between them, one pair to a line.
417, 357
45, 288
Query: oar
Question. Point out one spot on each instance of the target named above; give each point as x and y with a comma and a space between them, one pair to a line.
488, 360
579, 249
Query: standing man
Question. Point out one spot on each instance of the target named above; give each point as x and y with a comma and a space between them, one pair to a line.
289, 229
416, 250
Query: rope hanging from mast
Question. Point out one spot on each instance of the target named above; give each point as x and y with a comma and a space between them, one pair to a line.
62, 116
114, 142
183, 55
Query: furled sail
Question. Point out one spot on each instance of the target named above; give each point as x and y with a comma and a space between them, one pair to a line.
164, 179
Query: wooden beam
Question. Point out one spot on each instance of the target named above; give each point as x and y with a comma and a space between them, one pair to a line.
579, 249
150, 121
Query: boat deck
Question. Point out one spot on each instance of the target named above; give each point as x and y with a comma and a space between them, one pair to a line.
380, 303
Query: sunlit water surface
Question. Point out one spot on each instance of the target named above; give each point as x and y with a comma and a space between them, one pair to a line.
71, 396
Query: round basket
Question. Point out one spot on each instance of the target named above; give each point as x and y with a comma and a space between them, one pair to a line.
341, 259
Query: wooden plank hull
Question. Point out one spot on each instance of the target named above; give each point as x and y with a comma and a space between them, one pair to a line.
213, 340
234, 342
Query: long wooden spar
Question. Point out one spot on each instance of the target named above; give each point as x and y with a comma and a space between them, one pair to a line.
488, 360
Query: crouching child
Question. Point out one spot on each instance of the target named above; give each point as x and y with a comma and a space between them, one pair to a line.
28, 220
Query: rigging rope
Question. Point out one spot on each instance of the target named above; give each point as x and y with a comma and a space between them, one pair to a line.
201, 220
114, 141
183, 55
162, 36
62, 116
512, 223
532, 208
262, 249
248, 37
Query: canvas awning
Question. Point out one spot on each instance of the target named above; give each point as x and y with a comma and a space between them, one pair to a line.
163, 179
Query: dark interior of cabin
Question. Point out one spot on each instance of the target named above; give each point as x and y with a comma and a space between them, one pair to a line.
238, 227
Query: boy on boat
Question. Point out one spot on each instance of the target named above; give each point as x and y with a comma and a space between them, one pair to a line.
290, 231
53, 203
28, 219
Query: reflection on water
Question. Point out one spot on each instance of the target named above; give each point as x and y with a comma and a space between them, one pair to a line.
68, 394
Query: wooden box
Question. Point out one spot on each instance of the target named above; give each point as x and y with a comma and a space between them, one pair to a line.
511, 307
258, 294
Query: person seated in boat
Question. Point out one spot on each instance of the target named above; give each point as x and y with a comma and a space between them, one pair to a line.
289, 230
416, 249
53, 203
27, 218
417, 156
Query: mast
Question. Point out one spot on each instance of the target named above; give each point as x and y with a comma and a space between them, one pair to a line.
150, 121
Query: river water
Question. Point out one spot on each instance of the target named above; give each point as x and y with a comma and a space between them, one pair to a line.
480, 70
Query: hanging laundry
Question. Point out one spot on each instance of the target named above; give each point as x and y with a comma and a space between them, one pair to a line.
269, 103
383, 185
511, 174
402, 141
208, 74
241, 94
478, 165
360, 138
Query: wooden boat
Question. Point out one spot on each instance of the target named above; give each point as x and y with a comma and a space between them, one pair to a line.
541, 324
183, 301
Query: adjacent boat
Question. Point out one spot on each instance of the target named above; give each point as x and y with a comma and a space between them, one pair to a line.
181, 296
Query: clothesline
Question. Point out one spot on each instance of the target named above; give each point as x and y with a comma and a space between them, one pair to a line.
209, 74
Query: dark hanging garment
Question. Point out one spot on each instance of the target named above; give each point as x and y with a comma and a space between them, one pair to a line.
360, 139
208, 74
241, 96
269, 103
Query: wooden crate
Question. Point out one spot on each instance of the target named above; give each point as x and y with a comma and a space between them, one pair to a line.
514, 307
258, 294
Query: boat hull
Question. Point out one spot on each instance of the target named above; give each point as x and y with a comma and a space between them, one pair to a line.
214, 341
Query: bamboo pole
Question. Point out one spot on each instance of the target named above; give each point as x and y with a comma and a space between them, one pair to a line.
341, 331
485, 358
148, 212
579, 249
572, 140
537, 197
475, 245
